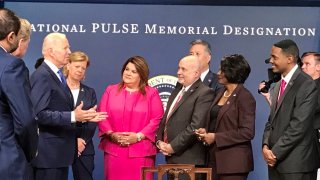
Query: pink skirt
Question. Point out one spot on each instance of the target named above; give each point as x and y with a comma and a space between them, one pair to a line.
126, 168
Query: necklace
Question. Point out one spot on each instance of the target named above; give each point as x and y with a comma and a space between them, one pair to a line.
224, 94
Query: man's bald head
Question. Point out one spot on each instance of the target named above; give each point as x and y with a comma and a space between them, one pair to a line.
188, 70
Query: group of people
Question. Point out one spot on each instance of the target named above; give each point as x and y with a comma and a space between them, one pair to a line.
48, 120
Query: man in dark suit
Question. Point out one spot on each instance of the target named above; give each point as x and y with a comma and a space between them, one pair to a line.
202, 50
289, 146
186, 111
311, 65
54, 107
18, 127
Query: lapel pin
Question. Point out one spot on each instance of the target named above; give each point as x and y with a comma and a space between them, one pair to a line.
228, 102
82, 89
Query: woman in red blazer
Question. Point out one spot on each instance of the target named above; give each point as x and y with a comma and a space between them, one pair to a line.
231, 122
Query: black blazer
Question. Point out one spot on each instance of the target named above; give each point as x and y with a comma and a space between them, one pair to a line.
289, 131
189, 115
86, 130
53, 103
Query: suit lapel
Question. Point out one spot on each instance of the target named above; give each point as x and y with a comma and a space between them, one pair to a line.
186, 95
208, 79
274, 104
81, 94
65, 90
231, 100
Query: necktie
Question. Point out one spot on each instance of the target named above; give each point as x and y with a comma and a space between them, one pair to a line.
62, 78
165, 134
282, 87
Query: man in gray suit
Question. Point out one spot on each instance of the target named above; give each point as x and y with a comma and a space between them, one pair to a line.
186, 111
288, 145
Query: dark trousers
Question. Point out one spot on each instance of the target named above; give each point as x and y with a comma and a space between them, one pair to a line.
235, 176
51, 174
186, 177
82, 168
275, 175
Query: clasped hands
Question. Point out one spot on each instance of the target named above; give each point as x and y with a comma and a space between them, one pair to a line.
165, 148
268, 156
123, 138
90, 115
206, 138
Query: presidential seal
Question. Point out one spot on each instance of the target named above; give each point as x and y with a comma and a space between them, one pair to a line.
165, 84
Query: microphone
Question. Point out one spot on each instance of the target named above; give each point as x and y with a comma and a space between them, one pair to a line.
267, 61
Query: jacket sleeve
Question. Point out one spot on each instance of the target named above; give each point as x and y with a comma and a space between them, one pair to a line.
155, 114
16, 86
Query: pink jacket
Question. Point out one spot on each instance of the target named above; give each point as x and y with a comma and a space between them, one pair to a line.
145, 117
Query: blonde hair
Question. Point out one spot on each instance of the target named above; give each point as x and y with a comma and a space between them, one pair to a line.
77, 56
25, 29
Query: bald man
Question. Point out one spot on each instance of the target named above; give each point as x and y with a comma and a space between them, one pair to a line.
53, 104
186, 111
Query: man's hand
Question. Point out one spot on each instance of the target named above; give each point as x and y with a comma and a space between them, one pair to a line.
268, 156
165, 148
81, 146
90, 115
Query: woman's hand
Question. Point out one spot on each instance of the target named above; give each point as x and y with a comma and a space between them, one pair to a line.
206, 138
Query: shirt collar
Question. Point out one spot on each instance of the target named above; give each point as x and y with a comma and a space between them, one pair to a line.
204, 74
53, 67
4, 49
288, 77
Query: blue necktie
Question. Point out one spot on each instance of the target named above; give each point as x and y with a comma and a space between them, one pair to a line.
62, 78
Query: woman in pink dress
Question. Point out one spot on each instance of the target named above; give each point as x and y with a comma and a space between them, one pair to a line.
134, 113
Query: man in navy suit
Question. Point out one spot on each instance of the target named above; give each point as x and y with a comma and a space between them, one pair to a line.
54, 107
202, 50
288, 145
18, 127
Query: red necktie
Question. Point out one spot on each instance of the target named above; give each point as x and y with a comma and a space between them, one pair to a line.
165, 134
282, 87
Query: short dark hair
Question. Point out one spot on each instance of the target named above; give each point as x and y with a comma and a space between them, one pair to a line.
289, 47
202, 42
142, 69
9, 22
316, 55
236, 69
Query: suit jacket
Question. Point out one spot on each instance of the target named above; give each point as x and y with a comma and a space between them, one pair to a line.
86, 130
317, 111
189, 115
289, 131
234, 130
142, 114
18, 127
211, 80
53, 104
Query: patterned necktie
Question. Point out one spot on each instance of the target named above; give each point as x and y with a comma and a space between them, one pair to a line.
165, 134
62, 78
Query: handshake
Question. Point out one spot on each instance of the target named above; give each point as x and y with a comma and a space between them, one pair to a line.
90, 115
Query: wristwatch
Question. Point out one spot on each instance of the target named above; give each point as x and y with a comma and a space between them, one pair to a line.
139, 138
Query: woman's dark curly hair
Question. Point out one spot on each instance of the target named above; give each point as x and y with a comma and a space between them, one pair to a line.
235, 68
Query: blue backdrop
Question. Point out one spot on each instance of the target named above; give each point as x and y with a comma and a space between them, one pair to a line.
110, 34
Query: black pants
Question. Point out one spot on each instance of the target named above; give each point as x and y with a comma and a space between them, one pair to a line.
51, 174
275, 175
82, 168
